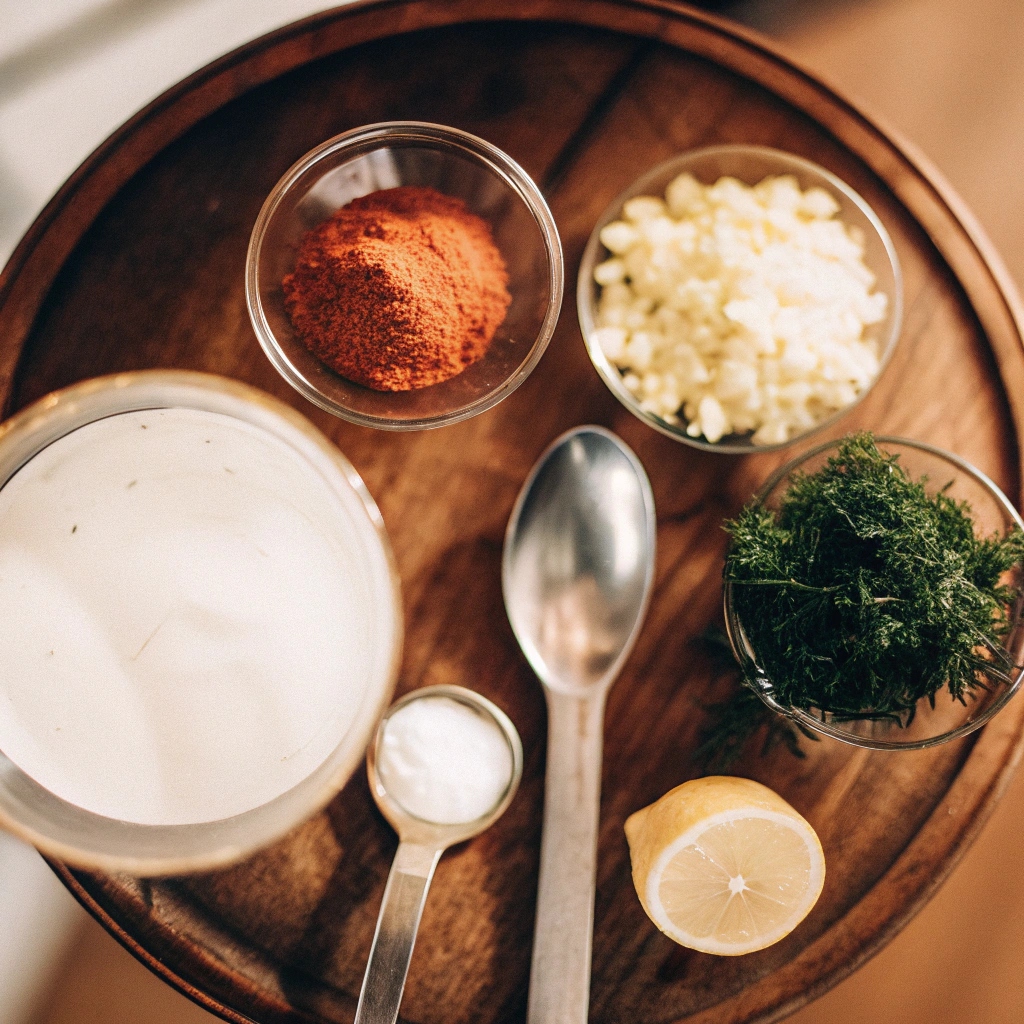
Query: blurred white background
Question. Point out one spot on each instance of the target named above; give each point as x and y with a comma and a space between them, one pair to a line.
947, 73
71, 71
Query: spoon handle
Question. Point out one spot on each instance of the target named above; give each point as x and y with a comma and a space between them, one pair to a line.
399, 918
560, 973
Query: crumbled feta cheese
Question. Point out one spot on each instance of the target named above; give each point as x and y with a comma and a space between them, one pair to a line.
738, 309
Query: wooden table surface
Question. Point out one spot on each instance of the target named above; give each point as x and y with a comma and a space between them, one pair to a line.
138, 264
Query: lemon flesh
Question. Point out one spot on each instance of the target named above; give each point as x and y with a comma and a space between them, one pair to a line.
724, 865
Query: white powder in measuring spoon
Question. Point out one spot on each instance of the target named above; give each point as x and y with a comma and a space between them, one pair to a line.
443, 761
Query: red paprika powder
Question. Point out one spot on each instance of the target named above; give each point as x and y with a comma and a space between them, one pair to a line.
400, 289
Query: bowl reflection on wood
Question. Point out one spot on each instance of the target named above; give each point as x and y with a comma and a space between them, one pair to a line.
929, 724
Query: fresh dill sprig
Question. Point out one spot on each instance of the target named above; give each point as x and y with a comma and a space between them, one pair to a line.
736, 720
864, 594
741, 716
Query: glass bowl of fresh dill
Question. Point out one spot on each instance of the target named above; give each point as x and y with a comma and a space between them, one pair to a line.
873, 593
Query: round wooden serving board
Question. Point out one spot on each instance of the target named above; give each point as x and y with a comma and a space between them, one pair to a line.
138, 263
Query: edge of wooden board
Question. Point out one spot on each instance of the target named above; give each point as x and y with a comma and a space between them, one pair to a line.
25, 282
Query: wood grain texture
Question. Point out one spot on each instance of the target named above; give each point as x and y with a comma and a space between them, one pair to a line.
138, 263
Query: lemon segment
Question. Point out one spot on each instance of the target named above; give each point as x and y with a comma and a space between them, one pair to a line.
724, 865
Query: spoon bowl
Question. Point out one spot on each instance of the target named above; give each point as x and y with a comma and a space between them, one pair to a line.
578, 559
577, 570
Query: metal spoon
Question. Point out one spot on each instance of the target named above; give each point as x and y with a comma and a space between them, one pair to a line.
421, 844
576, 573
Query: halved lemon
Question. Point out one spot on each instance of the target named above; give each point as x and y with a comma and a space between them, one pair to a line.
724, 865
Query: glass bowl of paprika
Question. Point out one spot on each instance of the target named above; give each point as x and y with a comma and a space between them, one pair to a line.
405, 275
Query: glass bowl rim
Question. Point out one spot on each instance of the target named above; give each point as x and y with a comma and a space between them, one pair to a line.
441, 137
585, 305
757, 680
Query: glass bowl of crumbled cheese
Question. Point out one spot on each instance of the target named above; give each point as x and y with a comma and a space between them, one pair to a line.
738, 298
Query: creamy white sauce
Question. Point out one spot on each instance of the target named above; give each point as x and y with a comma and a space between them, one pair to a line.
443, 761
189, 616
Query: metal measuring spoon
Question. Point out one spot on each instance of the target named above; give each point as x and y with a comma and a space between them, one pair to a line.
576, 574
421, 844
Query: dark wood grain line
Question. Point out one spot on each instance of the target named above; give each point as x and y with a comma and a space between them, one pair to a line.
564, 160
78, 884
